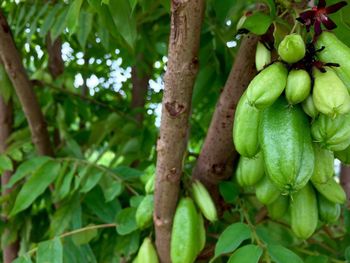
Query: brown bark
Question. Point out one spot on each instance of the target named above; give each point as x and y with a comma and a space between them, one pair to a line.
345, 181
139, 91
54, 50
24, 89
186, 20
217, 156
9, 250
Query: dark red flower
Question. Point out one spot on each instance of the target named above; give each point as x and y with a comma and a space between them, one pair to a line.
319, 15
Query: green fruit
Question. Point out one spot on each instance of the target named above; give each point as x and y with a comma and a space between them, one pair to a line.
328, 211
292, 48
329, 93
267, 86
144, 212
286, 145
184, 236
298, 86
245, 128
204, 201
250, 170
6, 88
266, 192
149, 186
201, 232
332, 191
335, 51
309, 107
324, 165
147, 252
279, 207
304, 214
343, 156
262, 56
333, 134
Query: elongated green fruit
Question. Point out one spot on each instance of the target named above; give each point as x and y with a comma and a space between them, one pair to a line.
149, 186
201, 232
250, 170
286, 145
147, 252
144, 212
262, 56
309, 107
332, 191
184, 235
267, 86
333, 134
328, 211
204, 201
279, 207
298, 86
266, 192
324, 165
304, 214
335, 51
329, 93
292, 48
245, 128
343, 156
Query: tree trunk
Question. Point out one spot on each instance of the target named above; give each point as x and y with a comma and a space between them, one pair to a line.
24, 89
6, 119
139, 91
217, 156
186, 20
345, 182
54, 50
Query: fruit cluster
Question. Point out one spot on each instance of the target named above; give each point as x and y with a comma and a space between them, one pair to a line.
290, 124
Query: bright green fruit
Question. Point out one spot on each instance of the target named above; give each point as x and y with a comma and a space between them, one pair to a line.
245, 128
298, 86
304, 214
332, 191
149, 186
266, 192
267, 86
309, 107
201, 232
144, 212
292, 48
147, 252
329, 93
328, 211
184, 236
286, 145
204, 201
324, 164
279, 207
343, 156
262, 56
333, 134
250, 170
335, 51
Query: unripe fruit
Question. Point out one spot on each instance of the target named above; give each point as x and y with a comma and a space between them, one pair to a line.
262, 56
144, 212
201, 232
250, 170
309, 107
329, 93
147, 252
279, 207
343, 156
332, 191
266, 192
324, 165
267, 86
292, 48
298, 86
149, 186
328, 211
204, 201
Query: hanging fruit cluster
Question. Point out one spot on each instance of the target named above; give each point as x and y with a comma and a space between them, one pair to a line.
290, 124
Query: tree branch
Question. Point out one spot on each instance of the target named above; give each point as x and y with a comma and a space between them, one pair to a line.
186, 20
24, 89
54, 50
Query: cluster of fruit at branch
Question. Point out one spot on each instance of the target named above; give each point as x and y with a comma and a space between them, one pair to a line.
290, 124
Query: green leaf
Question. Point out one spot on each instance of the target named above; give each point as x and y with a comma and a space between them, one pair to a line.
317, 259
258, 23
23, 259
347, 253
246, 254
49, 20
59, 25
27, 168
73, 15
133, 4
50, 251
62, 189
114, 190
84, 237
231, 238
84, 28
229, 191
126, 222
127, 245
280, 254
36, 185
5, 163
272, 7
91, 180
127, 173
6, 88
77, 254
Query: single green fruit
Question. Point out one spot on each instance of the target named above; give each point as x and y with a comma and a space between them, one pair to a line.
324, 164
267, 86
147, 252
304, 214
279, 207
144, 212
245, 128
298, 86
292, 48
309, 107
266, 192
332, 191
250, 170
343, 156
204, 201
201, 233
149, 186
262, 56
328, 211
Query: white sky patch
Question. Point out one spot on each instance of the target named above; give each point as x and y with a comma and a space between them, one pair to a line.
157, 64
228, 23
39, 51
27, 47
337, 167
67, 52
78, 80
157, 85
231, 44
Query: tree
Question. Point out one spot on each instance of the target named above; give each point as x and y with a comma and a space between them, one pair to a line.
110, 111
